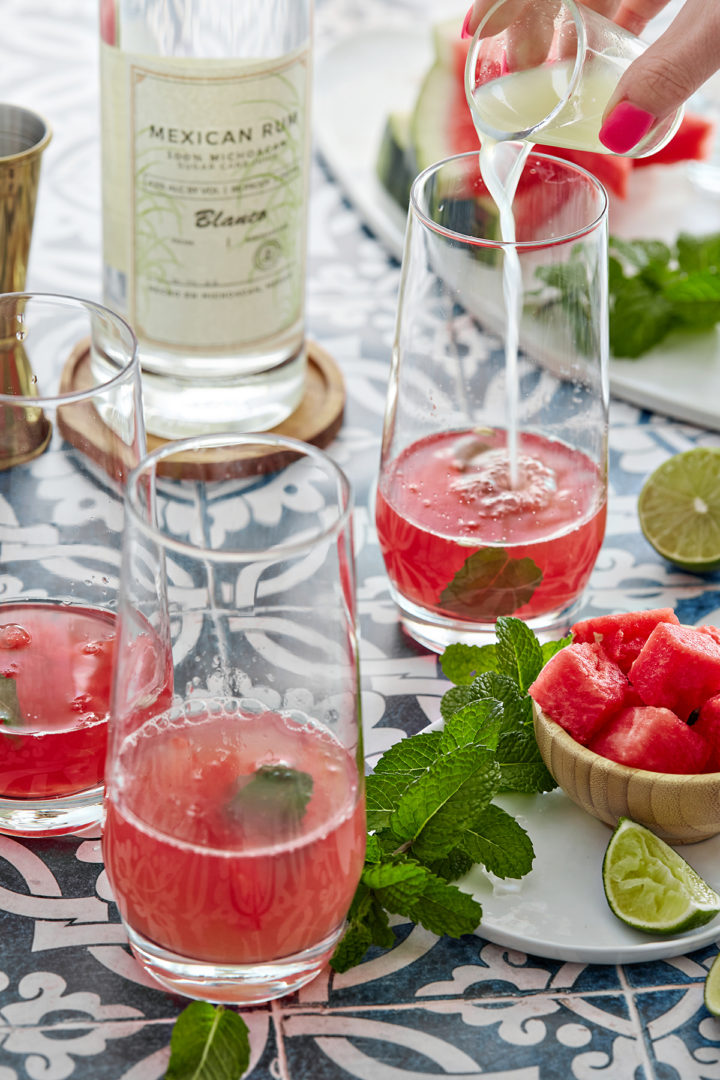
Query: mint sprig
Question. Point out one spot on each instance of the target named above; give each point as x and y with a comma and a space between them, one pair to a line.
654, 288
430, 810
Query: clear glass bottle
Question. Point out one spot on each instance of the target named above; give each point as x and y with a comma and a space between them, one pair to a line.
205, 159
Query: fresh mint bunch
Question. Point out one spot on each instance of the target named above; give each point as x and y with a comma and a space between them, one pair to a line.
430, 809
654, 288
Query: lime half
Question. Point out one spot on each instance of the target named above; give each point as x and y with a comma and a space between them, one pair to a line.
679, 509
649, 886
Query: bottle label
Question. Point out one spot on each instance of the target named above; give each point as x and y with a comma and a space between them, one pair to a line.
213, 253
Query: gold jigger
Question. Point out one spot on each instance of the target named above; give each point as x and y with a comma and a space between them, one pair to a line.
24, 430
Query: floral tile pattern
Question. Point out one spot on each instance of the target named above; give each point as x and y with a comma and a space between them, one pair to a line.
73, 1002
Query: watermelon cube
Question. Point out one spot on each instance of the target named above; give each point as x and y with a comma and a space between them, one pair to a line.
645, 737
678, 668
622, 636
708, 726
580, 689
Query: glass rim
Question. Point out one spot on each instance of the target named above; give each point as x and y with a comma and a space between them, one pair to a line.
136, 509
580, 51
131, 370
38, 145
521, 245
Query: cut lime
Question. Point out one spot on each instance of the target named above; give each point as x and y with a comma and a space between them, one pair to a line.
649, 886
679, 509
712, 988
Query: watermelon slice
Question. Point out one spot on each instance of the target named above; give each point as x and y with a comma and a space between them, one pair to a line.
678, 668
693, 141
622, 636
708, 726
580, 689
649, 738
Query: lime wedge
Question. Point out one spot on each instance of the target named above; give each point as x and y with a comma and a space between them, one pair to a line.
679, 509
712, 988
649, 886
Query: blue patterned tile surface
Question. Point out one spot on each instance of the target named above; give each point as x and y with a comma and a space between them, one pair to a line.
74, 1005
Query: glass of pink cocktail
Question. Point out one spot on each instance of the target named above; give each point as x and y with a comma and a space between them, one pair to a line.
235, 827
493, 479
70, 432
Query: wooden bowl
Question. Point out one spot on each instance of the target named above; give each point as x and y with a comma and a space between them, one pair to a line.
679, 808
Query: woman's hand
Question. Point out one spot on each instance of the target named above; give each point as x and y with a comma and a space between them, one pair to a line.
658, 82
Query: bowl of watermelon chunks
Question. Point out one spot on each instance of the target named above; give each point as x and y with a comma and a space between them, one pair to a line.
627, 720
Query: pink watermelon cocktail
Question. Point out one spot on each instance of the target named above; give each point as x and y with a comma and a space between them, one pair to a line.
461, 542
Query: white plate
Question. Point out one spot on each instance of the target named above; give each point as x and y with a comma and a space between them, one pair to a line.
559, 909
364, 78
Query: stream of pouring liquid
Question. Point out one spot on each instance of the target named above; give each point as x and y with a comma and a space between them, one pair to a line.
501, 165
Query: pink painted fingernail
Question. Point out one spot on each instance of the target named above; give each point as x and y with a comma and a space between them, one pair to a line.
625, 127
465, 32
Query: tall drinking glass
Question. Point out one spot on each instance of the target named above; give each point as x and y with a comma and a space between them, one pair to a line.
235, 829
70, 432
493, 475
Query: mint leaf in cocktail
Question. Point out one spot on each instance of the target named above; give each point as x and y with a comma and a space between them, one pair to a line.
491, 583
275, 797
10, 712
208, 1042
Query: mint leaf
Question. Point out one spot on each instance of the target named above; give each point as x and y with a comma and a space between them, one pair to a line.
517, 706
275, 798
639, 254
412, 756
491, 583
457, 786
478, 722
521, 766
549, 648
10, 712
454, 699
461, 663
452, 866
498, 842
396, 770
640, 317
698, 252
208, 1042
409, 889
519, 654
367, 925
382, 794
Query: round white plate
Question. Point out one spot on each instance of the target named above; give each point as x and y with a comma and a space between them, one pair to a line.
681, 376
559, 909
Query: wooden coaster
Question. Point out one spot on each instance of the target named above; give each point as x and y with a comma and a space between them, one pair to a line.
316, 420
